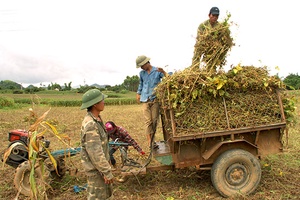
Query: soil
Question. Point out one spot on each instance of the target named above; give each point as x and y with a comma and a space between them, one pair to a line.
280, 173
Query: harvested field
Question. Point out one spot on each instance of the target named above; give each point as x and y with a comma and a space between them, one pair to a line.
280, 173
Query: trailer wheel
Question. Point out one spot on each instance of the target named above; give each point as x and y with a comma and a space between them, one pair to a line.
21, 179
235, 172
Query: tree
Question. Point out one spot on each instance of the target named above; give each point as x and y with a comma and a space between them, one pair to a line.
131, 83
84, 88
292, 81
68, 87
54, 86
33, 89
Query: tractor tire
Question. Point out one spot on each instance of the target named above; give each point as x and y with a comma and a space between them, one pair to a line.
61, 168
19, 153
236, 172
21, 179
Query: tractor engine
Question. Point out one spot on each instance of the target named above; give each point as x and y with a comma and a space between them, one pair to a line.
18, 135
19, 153
19, 143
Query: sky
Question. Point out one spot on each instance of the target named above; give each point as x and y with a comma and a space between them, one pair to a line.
87, 42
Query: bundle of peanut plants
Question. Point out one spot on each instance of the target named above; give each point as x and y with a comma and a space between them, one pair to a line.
212, 46
245, 96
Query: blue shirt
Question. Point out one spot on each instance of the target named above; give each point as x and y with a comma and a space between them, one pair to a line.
147, 84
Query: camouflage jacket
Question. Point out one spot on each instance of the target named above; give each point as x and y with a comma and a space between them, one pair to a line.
95, 149
207, 27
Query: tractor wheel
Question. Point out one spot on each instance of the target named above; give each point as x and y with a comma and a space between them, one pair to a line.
61, 168
21, 179
19, 153
236, 172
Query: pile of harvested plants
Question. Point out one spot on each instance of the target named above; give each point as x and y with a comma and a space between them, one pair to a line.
245, 96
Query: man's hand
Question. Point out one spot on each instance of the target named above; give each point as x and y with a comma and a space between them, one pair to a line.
159, 69
108, 181
138, 98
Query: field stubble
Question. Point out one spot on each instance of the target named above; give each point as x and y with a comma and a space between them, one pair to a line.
280, 173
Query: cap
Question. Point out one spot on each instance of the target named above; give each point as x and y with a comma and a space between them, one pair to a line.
141, 60
91, 97
214, 11
109, 127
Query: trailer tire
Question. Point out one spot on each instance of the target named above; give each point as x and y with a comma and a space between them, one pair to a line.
21, 178
235, 172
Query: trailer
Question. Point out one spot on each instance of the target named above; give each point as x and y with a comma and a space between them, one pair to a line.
231, 155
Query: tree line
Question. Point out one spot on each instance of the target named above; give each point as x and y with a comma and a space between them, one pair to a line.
129, 84
292, 81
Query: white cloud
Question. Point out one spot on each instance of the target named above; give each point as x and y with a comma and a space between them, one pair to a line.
98, 41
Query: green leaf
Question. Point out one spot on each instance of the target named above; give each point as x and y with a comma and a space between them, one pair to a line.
221, 92
178, 114
195, 94
172, 96
220, 85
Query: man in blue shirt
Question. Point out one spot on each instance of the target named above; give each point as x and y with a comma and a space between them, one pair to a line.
150, 77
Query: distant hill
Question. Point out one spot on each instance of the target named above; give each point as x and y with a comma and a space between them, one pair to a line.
9, 85
99, 86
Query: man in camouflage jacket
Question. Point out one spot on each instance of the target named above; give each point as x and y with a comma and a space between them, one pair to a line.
95, 149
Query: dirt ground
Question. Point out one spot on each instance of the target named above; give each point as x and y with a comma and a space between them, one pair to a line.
280, 173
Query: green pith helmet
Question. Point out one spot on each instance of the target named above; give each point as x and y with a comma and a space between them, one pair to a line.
141, 60
91, 97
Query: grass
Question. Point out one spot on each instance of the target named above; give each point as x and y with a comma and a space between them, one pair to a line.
280, 172
62, 99
64, 95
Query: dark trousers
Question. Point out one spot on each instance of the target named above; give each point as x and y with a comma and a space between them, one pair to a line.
123, 151
111, 156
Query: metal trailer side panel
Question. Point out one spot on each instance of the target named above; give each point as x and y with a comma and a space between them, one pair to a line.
203, 151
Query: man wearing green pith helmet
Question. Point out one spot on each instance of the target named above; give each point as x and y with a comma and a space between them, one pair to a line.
95, 147
150, 77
